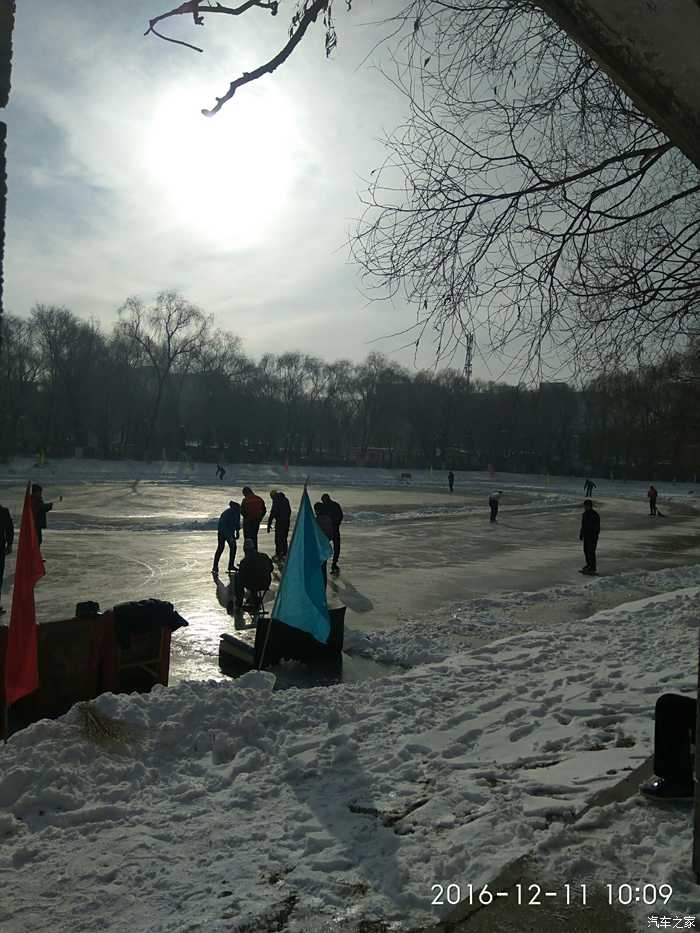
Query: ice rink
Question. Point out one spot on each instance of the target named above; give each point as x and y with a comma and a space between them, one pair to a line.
407, 550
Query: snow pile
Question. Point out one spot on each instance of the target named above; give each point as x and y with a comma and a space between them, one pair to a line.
227, 806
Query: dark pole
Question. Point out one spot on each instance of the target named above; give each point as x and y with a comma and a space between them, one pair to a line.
7, 22
696, 831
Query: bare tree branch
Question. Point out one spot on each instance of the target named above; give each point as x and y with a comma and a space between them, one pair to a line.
196, 8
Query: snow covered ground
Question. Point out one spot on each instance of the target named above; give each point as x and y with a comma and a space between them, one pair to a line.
225, 805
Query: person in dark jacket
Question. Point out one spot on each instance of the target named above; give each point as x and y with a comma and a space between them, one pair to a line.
494, 501
652, 494
39, 509
325, 523
253, 509
281, 515
451, 480
590, 529
588, 488
254, 574
335, 513
228, 531
7, 533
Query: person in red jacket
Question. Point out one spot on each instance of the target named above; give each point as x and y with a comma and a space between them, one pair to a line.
253, 509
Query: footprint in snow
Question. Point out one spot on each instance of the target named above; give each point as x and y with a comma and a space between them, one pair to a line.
521, 731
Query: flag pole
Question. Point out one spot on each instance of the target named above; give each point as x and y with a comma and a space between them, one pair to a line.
269, 620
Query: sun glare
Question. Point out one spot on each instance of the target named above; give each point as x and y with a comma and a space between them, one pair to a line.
226, 178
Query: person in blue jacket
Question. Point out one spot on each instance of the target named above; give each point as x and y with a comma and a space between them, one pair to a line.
229, 530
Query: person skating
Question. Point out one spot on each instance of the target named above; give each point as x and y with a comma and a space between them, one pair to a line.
674, 733
220, 471
325, 523
253, 509
588, 488
494, 500
281, 515
228, 530
590, 529
334, 511
652, 495
254, 574
39, 509
7, 533
451, 480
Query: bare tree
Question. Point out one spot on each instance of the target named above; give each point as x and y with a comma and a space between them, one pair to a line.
306, 13
20, 364
169, 336
525, 192
71, 352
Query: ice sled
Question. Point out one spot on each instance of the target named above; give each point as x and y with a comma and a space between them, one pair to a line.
284, 643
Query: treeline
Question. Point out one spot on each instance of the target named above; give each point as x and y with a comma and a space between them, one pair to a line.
165, 382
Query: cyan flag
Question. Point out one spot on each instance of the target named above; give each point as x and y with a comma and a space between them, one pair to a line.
301, 598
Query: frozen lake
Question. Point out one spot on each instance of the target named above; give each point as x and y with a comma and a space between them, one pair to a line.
531, 691
408, 551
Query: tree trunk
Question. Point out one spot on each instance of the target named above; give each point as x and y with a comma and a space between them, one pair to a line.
650, 50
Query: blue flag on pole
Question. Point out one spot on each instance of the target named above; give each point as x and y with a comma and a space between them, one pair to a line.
301, 598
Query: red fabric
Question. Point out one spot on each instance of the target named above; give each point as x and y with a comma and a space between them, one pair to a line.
21, 663
253, 508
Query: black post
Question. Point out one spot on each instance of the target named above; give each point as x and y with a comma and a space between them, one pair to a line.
696, 824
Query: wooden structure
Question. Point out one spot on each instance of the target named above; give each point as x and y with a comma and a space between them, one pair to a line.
81, 658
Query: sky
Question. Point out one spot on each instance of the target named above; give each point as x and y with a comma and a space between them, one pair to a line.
118, 186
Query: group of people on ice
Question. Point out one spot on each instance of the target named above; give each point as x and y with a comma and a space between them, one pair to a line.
590, 520
254, 572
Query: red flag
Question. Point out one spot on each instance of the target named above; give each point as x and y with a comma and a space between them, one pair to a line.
21, 664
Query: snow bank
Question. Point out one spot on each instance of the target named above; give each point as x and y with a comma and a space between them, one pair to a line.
227, 806
437, 635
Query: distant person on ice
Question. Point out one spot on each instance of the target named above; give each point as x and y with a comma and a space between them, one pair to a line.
325, 523
588, 488
451, 480
229, 530
281, 515
7, 533
252, 511
254, 574
334, 511
652, 494
590, 529
39, 509
494, 500
220, 471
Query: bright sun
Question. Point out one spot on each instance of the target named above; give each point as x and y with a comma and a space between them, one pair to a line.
226, 178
